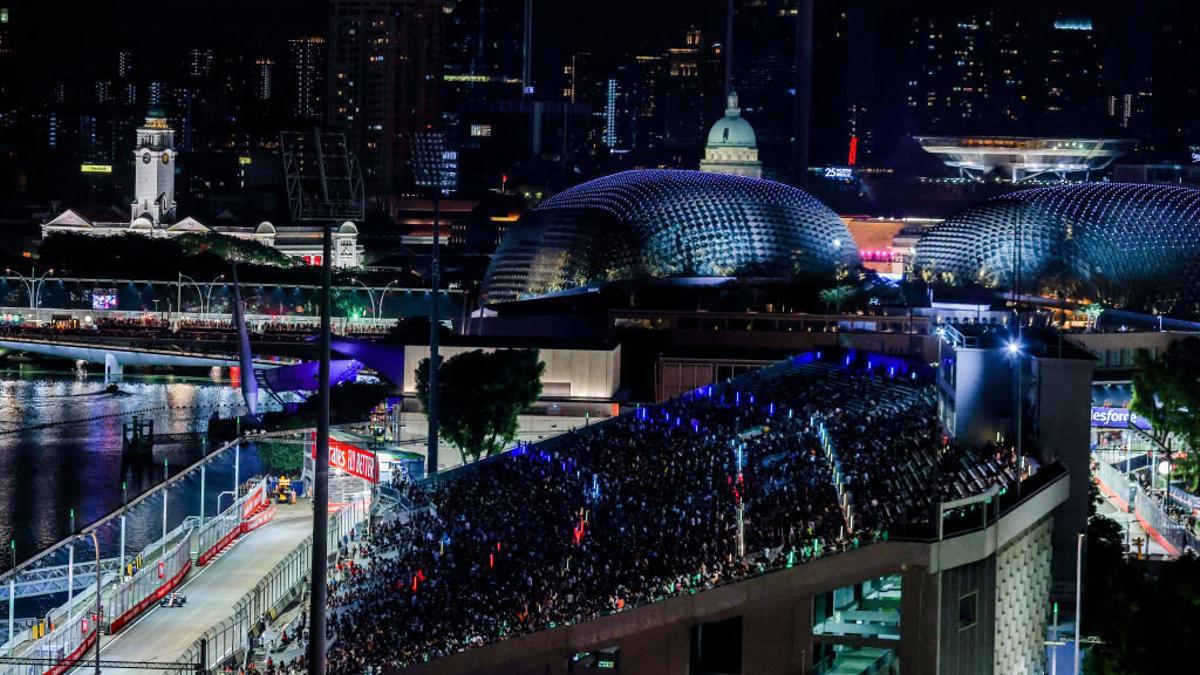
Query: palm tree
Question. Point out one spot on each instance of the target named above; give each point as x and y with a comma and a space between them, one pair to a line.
836, 296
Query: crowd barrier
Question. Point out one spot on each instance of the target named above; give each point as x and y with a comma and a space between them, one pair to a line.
218, 533
70, 641
148, 586
1169, 533
231, 637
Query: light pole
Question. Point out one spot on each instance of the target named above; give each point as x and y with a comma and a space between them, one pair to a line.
1078, 595
33, 283
179, 292
12, 592
208, 296
382, 295
1014, 352
370, 297
231, 493
96, 547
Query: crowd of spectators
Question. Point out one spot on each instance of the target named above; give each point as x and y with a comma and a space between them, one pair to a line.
637, 509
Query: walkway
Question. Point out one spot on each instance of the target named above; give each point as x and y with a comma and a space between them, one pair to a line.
165, 633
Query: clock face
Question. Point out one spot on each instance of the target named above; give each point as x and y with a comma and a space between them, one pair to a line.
166, 158
145, 158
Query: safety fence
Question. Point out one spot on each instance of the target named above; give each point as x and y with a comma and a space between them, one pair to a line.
148, 586
218, 533
230, 639
1173, 536
70, 641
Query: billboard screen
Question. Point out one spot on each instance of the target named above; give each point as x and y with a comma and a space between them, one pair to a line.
104, 298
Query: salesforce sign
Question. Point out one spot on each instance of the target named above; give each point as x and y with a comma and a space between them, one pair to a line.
1117, 418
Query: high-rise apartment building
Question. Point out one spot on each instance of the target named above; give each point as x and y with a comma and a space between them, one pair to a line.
264, 71
385, 71
306, 71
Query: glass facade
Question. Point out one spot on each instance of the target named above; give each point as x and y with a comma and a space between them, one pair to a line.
868, 609
1126, 244
668, 223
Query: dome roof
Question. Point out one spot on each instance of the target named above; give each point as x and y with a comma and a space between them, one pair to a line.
732, 130
668, 223
1129, 245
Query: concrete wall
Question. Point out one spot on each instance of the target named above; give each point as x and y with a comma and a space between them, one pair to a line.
777, 629
1062, 432
983, 395
966, 648
570, 373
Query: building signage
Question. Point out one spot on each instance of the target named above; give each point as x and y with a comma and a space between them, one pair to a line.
351, 459
838, 173
95, 168
1117, 418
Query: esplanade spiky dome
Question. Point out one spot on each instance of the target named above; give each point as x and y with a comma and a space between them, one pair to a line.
668, 223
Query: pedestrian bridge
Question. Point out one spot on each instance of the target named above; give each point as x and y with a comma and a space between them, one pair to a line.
116, 354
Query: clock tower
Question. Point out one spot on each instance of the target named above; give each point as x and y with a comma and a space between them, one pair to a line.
154, 170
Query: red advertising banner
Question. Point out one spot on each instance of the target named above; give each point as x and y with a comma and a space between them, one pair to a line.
351, 459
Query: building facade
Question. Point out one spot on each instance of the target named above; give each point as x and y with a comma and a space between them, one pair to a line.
732, 146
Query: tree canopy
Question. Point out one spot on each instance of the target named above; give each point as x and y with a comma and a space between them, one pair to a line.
1166, 391
480, 395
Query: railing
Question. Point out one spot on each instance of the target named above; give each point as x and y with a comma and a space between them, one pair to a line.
231, 637
1170, 533
70, 641
220, 532
148, 586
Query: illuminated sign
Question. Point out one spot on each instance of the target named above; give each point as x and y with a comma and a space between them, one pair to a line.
243, 160
838, 173
95, 168
1117, 418
351, 459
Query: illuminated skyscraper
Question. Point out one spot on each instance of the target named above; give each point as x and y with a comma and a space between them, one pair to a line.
385, 59
263, 76
306, 71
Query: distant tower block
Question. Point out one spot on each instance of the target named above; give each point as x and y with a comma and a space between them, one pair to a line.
154, 170
732, 146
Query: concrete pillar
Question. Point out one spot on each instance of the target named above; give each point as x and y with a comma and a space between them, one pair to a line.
112, 367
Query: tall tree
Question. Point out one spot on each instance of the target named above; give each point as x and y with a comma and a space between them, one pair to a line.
1166, 391
480, 395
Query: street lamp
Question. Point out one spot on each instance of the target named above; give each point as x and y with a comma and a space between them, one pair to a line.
231, 493
208, 296
96, 546
179, 292
383, 294
370, 297
1013, 348
33, 283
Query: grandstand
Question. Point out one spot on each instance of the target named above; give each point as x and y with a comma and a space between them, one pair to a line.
744, 484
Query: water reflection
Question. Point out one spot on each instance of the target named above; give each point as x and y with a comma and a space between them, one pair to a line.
48, 466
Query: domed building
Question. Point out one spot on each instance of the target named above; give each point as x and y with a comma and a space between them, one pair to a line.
1127, 244
668, 223
732, 146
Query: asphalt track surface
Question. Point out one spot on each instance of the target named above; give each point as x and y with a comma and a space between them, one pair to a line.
165, 633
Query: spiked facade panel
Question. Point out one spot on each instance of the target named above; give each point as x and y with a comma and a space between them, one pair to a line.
668, 223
